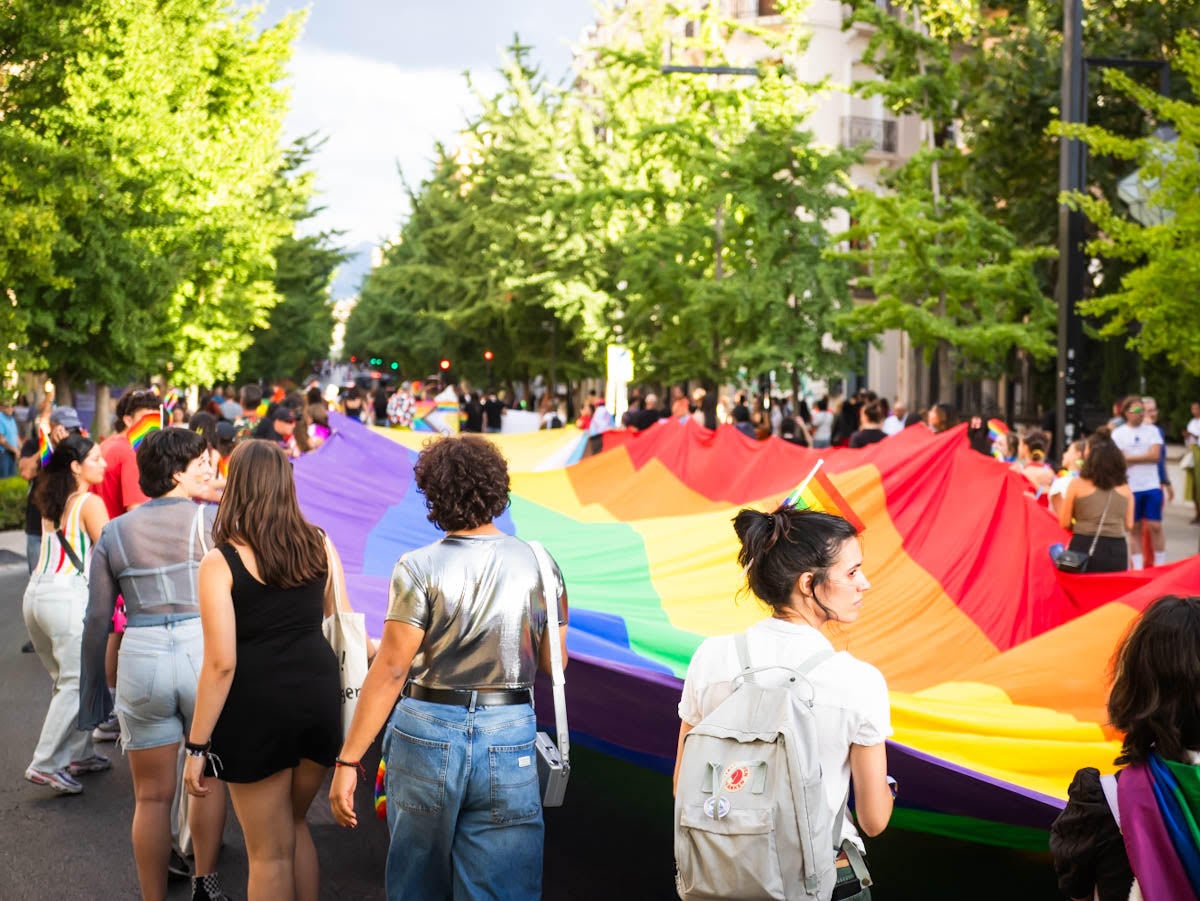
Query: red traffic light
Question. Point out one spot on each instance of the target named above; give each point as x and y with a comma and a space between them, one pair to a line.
353, 359
487, 355
444, 365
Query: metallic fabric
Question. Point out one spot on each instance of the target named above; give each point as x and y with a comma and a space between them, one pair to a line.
479, 599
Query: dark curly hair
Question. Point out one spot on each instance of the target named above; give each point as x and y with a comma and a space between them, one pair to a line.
57, 482
1104, 464
1155, 698
464, 480
164, 454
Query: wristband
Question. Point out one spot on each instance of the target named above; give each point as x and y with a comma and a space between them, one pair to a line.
352, 764
192, 749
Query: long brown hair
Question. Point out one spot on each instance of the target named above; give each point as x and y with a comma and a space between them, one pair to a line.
259, 509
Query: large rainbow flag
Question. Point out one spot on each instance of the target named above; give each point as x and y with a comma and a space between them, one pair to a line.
996, 662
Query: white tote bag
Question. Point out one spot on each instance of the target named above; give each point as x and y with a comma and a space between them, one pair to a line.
346, 633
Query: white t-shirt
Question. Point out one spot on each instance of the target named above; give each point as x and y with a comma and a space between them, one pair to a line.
892, 425
1193, 430
1142, 476
851, 697
822, 421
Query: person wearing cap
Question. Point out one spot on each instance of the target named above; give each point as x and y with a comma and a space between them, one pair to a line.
10, 440
279, 426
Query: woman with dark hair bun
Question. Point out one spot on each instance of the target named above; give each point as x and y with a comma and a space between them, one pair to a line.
1099, 503
1155, 702
72, 518
466, 631
806, 568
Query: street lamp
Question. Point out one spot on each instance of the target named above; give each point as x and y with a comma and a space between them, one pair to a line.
1072, 173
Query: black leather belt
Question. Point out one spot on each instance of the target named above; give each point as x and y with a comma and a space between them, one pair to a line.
461, 697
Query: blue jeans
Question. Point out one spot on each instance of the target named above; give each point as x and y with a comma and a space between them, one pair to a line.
464, 807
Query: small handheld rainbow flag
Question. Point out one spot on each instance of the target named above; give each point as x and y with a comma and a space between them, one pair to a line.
817, 493
151, 422
262, 408
997, 430
171, 401
45, 448
381, 790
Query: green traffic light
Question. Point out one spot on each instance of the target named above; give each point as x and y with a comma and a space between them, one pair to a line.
395, 365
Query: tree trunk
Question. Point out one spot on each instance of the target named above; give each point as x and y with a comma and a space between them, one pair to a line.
102, 421
945, 374
63, 395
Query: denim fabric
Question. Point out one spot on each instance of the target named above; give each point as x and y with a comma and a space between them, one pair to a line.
464, 807
158, 668
53, 610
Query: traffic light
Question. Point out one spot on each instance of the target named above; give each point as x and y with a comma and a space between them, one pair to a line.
395, 365
353, 359
443, 365
488, 355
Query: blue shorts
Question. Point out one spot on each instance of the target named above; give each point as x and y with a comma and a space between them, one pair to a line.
158, 668
1148, 505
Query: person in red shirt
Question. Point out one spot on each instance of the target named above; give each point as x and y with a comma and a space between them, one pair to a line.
119, 490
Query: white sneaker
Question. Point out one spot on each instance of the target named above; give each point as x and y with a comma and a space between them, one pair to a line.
109, 730
61, 781
94, 764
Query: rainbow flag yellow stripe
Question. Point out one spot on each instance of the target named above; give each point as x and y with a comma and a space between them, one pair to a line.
818, 493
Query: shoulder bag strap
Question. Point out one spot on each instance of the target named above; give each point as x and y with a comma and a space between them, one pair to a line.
333, 576
742, 644
198, 524
1100, 528
556, 666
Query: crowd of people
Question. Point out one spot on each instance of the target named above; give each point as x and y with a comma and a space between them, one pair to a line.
177, 595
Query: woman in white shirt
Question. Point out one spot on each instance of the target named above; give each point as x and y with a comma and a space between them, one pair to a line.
807, 568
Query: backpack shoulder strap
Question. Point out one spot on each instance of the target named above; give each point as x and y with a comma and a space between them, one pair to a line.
1109, 785
814, 661
742, 645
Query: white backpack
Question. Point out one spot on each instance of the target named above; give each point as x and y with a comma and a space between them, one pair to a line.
750, 817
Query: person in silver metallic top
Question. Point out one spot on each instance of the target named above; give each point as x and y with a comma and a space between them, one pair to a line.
465, 633
479, 600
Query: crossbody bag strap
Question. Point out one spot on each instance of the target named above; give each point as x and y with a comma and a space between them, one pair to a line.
198, 525
1100, 528
557, 681
73, 515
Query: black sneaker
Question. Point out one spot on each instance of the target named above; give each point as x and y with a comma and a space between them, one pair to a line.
177, 867
208, 888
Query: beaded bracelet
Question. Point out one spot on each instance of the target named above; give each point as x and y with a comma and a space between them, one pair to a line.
353, 764
192, 749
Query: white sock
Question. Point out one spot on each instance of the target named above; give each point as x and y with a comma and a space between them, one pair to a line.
1160, 558
1136, 562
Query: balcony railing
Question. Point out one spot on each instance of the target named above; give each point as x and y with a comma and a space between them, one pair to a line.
879, 134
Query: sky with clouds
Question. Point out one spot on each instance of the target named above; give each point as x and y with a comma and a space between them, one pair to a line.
382, 80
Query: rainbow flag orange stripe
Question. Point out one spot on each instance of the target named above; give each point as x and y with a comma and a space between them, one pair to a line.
818, 493
45, 449
151, 422
171, 401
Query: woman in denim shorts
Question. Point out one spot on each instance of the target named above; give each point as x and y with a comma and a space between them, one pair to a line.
151, 556
465, 633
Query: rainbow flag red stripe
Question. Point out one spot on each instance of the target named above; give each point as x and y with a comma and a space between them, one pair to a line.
818, 493
171, 401
151, 422
45, 448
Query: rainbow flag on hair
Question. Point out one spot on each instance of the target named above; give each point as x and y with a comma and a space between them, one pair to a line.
45, 448
997, 430
817, 493
151, 422
171, 401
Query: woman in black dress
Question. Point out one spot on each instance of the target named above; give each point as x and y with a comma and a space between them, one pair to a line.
268, 707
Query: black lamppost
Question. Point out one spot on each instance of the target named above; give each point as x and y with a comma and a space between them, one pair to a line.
1072, 174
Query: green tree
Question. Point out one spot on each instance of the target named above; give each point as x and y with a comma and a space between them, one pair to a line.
956, 279
1155, 302
154, 135
300, 328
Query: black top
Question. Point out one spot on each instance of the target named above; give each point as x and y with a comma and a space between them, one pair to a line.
643, 419
493, 411
1089, 853
863, 437
33, 519
284, 703
474, 413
